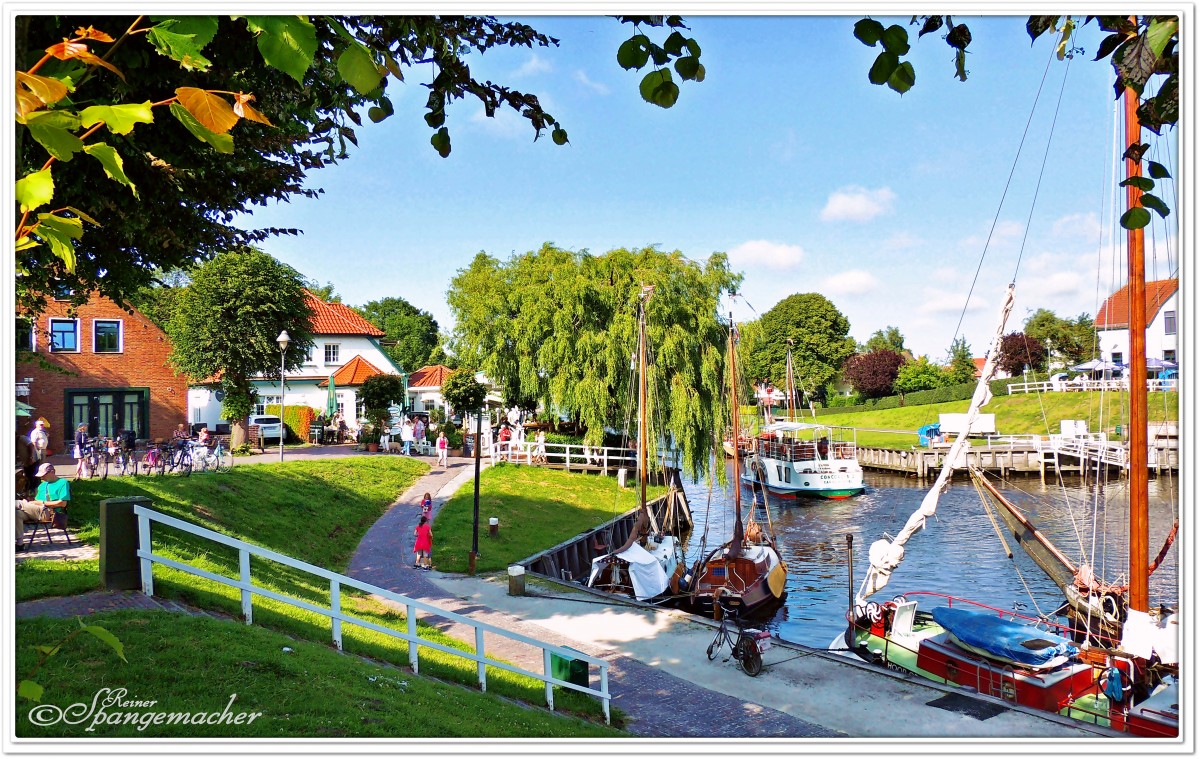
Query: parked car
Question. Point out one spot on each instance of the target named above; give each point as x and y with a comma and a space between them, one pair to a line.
268, 426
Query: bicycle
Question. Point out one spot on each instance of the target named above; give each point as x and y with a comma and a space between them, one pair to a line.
124, 460
181, 459
214, 459
748, 644
96, 454
155, 460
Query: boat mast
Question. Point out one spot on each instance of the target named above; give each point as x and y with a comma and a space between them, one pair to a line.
1139, 488
642, 455
791, 383
735, 543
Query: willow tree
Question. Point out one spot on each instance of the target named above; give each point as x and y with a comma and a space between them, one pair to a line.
561, 327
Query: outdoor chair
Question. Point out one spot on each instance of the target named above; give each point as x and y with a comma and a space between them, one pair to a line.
44, 525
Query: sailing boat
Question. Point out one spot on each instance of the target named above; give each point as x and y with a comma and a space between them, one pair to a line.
649, 565
793, 458
746, 571
1121, 673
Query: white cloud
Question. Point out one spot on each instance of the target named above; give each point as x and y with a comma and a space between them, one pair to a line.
948, 303
504, 124
535, 65
598, 87
853, 282
901, 241
857, 204
764, 253
944, 274
1082, 228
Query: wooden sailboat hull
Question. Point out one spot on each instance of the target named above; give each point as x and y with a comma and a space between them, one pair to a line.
757, 577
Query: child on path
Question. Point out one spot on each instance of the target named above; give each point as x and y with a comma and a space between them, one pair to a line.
423, 546
426, 506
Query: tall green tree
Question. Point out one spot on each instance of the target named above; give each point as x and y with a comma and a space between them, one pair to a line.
561, 327
918, 375
960, 365
412, 334
1069, 340
821, 343
226, 323
889, 339
180, 124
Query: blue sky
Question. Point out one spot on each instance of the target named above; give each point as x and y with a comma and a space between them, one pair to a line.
812, 179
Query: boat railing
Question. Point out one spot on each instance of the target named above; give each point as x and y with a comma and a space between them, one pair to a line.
791, 450
1040, 622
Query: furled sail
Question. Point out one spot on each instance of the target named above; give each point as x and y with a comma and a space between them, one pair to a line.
885, 556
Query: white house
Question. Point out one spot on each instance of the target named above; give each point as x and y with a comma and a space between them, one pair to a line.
1112, 323
346, 347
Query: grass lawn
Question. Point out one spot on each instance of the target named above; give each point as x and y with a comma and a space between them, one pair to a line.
315, 511
309, 692
538, 508
1024, 414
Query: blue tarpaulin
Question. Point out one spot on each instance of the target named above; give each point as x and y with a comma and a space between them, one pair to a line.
1011, 640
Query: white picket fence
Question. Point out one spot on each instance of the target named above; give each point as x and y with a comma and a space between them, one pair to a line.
147, 517
1066, 386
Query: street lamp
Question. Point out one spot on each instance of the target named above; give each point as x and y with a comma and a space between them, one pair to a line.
282, 341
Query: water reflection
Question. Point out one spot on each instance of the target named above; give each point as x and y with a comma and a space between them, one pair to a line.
958, 553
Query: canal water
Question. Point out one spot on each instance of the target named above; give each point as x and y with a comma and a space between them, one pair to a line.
958, 552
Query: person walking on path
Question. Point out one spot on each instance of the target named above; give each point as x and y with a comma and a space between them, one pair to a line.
423, 546
406, 437
80, 451
40, 439
539, 454
443, 447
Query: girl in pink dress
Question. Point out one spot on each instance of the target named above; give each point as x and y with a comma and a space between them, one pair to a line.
423, 546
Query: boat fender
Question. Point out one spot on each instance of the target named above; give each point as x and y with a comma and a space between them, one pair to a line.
1116, 685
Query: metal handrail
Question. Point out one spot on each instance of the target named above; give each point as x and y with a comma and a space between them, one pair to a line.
145, 553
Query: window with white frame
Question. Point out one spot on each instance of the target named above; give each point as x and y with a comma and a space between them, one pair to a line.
1118, 358
106, 336
262, 401
1169, 356
310, 357
332, 353
64, 335
1169, 322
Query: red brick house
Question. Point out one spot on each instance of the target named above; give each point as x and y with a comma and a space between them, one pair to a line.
117, 373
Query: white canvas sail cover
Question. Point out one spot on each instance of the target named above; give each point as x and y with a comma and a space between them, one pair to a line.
646, 574
885, 556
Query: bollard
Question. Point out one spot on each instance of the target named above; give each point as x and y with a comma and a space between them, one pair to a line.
516, 580
120, 568
622, 477
493, 527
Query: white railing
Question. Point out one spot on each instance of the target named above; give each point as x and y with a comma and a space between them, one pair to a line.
1013, 441
1065, 386
248, 589
571, 455
1092, 447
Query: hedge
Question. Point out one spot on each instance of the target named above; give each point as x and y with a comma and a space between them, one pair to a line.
296, 419
946, 394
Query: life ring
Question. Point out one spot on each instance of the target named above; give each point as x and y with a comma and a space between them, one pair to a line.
874, 611
899, 600
1114, 608
1120, 695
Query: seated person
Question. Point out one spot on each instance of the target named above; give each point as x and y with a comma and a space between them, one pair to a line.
53, 493
205, 438
180, 436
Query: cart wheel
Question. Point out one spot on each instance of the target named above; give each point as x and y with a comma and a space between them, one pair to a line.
750, 658
713, 648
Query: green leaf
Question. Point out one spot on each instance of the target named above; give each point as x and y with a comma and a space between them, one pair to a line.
1155, 203
287, 43
113, 165
441, 142
895, 40
868, 31
687, 67
885, 65
30, 691
1039, 25
358, 69
634, 52
674, 44
222, 143
693, 47
55, 138
1135, 218
178, 47
201, 29
1158, 171
657, 87
659, 55
35, 190
1160, 33
559, 135
58, 234
62, 226
106, 637
1142, 183
47, 650
120, 119
700, 71
903, 78
434, 119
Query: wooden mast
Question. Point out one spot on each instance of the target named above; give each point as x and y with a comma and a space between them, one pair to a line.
642, 455
735, 543
1139, 488
791, 384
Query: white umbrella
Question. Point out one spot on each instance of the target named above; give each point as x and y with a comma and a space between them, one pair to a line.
1095, 365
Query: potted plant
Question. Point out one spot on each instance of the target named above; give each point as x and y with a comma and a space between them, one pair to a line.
369, 436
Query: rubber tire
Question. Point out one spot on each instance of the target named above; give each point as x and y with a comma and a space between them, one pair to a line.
224, 462
185, 463
160, 467
749, 658
104, 467
713, 649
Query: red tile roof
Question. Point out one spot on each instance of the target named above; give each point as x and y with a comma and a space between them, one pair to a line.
338, 319
1114, 314
430, 376
353, 373
979, 364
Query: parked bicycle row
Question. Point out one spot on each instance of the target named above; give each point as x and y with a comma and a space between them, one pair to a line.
99, 456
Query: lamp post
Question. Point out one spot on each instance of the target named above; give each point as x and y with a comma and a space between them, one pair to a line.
282, 341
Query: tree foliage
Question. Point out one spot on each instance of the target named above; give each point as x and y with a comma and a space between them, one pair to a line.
153, 104
821, 343
1072, 340
918, 375
463, 392
227, 320
412, 334
872, 374
1019, 350
379, 392
889, 339
561, 327
960, 365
